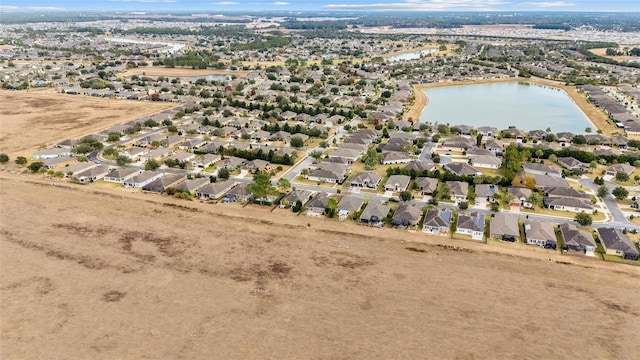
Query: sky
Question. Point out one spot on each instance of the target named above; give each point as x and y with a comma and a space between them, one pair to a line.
321, 5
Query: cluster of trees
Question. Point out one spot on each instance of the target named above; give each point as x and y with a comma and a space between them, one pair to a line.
251, 154
311, 132
87, 145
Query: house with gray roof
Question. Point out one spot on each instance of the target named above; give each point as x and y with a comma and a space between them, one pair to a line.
397, 183
437, 221
407, 215
192, 186
93, 174
577, 240
239, 193
366, 179
540, 169
420, 166
160, 185
142, 179
621, 167
504, 226
294, 196
615, 242
316, 206
121, 175
374, 213
215, 190
540, 233
471, 224
462, 169
426, 185
349, 205
459, 190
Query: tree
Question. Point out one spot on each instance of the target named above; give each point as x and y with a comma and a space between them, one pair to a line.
620, 193
223, 173
297, 207
261, 187
151, 164
602, 192
122, 160
511, 162
35, 166
463, 205
21, 160
406, 195
530, 182
536, 199
297, 141
539, 153
622, 176
583, 219
579, 140
284, 184
316, 154
495, 207
331, 208
478, 140
371, 158
553, 158
172, 129
4, 158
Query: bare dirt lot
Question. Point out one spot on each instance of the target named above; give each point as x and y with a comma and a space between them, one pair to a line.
186, 72
29, 120
88, 273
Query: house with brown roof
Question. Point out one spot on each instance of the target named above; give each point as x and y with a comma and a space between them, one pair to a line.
504, 226
397, 183
540, 233
615, 242
437, 221
577, 240
366, 179
407, 215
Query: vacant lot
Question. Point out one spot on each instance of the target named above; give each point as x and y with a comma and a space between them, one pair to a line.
173, 72
29, 120
97, 274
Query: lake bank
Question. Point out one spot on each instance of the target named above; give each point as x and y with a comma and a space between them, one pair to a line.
597, 118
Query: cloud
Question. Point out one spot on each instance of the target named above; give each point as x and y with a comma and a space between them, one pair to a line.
545, 4
280, 3
416, 5
225, 3
32, 8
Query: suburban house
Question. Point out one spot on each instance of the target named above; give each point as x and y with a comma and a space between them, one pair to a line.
329, 172
504, 227
93, 174
192, 144
349, 205
494, 146
395, 157
374, 213
407, 215
231, 163
215, 190
577, 240
191, 186
351, 155
316, 206
397, 183
51, 153
459, 190
485, 193
121, 175
540, 169
78, 168
135, 153
471, 224
367, 179
540, 233
294, 196
567, 199
487, 162
571, 163
462, 169
238, 193
521, 196
437, 221
488, 131
61, 161
206, 160
142, 179
256, 165
548, 181
615, 242
160, 185
420, 166
622, 167
426, 185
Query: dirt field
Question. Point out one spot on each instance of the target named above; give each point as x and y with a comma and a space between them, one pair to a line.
172, 72
96, 274
595, 115
29, 120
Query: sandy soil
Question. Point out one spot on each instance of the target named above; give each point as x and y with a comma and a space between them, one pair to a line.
29, 120
172, 72
595, 115
98, 274
603, 52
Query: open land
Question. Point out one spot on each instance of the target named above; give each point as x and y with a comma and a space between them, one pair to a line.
39, 118
112, 275
178, 71
597, 117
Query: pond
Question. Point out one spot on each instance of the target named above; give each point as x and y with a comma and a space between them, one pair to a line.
173, 47
412, 55
523, 105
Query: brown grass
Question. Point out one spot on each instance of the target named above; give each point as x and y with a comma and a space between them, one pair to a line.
89, 273
173, 72
29, 120
595, 115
